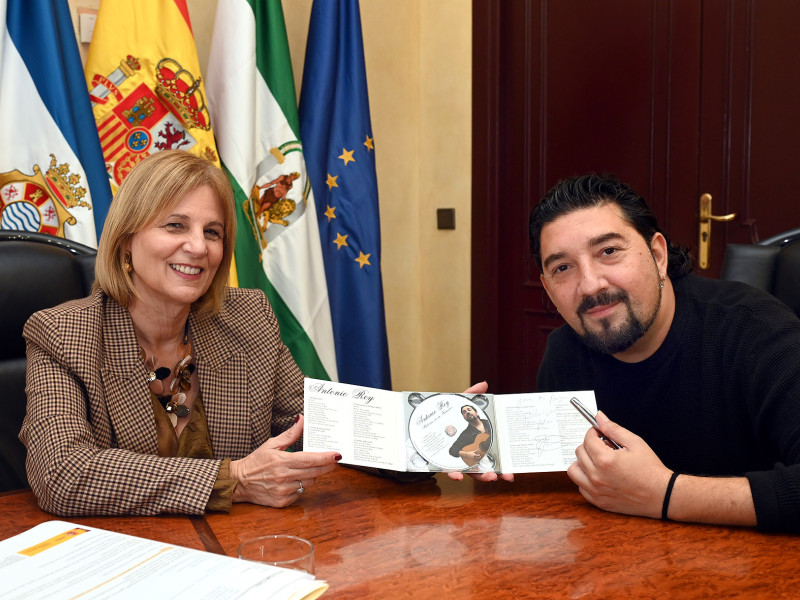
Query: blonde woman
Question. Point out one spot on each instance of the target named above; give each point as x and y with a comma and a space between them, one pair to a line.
165, 390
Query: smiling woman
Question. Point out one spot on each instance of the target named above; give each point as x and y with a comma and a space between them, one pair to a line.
112, 427
164, 244
152, 194
174, 260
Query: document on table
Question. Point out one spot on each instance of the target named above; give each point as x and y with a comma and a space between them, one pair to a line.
422, 431
56, 560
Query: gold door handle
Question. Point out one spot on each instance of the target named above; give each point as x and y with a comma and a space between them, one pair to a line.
705, 228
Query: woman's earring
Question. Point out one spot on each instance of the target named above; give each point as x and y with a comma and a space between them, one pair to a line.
128, 265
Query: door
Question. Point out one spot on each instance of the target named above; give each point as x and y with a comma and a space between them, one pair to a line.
749, 120
679, 98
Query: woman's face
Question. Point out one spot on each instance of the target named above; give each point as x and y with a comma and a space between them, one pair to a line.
176, 257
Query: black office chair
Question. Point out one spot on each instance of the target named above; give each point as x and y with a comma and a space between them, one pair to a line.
772, 265
36, 271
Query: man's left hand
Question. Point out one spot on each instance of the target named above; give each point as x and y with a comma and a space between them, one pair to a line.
480, 388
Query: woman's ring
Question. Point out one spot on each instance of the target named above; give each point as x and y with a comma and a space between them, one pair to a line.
301, 489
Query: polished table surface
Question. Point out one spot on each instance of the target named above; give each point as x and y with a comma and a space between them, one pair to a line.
535, 538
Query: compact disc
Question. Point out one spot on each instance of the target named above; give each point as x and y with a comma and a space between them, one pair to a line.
437, 430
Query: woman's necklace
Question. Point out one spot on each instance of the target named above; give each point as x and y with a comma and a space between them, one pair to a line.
172, 397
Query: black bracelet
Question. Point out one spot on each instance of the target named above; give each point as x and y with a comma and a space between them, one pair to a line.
665, 506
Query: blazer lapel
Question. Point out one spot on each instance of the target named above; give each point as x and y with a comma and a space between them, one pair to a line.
125, 380
224, 385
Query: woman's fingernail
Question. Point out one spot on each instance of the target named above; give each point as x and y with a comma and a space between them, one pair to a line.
337, 458
297, 418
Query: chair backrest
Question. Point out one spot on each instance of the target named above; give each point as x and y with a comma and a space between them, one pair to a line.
772, 265
36, 271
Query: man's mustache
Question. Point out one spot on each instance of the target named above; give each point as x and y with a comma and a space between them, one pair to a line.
589, 302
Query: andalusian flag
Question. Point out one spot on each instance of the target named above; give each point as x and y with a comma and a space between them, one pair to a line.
145, 85
254, 105
52, 178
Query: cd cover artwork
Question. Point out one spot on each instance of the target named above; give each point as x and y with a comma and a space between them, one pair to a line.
449, 432
433, 431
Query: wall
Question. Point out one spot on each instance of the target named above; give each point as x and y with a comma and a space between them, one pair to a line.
419, 73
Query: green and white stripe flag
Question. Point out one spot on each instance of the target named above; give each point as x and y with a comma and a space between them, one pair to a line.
253, 105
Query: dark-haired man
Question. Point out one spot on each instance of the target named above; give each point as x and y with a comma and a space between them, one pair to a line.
701, 377
465, 446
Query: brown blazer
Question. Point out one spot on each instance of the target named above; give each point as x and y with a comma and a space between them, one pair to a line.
89, 428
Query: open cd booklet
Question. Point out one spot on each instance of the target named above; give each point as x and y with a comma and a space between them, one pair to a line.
426, 431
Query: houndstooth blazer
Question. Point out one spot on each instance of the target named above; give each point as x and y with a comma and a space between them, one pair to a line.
89, 428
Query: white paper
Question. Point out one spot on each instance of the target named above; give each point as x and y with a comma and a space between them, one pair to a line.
56, 560
541, 431
363, 424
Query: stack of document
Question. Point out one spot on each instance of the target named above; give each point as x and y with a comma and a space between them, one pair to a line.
64, 560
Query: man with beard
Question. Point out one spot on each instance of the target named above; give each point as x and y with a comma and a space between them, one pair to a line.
701, 377
465, 446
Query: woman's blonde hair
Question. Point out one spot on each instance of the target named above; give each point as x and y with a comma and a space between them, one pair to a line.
154, 186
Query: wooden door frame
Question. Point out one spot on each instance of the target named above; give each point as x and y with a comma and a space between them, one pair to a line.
485, 189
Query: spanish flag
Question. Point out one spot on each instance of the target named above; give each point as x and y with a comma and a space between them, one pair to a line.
145, 84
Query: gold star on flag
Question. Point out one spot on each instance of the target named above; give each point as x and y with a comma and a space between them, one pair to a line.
341, 240
363, 259
368, 144
347, 156
331, 181
329, 213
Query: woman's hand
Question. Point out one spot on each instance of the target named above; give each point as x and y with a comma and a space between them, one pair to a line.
480, 388
272, 477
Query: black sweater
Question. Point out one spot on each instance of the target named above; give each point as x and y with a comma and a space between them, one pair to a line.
721, 396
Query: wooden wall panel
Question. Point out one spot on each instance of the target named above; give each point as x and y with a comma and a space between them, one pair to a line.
581, 86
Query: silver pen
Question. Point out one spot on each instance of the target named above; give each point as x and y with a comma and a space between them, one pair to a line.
593, 422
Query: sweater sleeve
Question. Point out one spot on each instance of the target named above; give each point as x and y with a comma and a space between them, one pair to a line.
776, 495
773, 389
765, 343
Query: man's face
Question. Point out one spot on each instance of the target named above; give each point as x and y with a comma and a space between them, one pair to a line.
603, 277
469, 413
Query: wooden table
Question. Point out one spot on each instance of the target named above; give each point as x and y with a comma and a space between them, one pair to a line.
535, 538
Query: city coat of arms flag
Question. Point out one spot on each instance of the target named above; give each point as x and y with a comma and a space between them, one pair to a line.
52, 175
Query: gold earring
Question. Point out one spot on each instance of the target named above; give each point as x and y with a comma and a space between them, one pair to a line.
127, 264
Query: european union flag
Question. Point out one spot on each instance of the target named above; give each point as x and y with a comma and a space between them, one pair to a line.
340, 157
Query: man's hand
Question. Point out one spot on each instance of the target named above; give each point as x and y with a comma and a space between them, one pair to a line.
480, 388
630, 481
